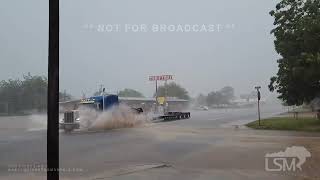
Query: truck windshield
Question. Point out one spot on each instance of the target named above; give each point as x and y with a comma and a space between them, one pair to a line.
91, 106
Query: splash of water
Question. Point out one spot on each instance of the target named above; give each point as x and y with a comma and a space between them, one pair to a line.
117, 117
37, 122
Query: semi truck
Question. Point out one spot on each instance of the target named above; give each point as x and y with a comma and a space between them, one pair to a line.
71, 119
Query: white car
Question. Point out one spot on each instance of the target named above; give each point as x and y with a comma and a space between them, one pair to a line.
205, 108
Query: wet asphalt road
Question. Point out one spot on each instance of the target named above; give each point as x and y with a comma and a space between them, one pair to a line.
204, 147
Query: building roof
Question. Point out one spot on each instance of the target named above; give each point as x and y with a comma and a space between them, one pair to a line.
169, 99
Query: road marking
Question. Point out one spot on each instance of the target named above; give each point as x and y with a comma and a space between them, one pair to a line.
132, 169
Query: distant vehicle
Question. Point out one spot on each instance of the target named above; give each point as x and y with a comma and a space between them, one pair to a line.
205, 108
201, 108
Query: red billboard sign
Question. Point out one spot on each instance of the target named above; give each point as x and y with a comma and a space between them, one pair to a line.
161, 78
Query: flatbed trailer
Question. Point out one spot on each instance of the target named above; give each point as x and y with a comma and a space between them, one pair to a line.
171, 116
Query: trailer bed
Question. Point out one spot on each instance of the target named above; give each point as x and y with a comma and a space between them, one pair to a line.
171, 116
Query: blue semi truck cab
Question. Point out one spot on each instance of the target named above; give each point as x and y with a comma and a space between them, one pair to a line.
100, 103
71, 119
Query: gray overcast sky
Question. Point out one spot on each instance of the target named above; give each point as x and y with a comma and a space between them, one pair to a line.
242, 56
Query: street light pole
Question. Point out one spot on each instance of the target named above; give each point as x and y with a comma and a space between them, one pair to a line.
156, 97
156, 90
259, 97
165, 97
53, 93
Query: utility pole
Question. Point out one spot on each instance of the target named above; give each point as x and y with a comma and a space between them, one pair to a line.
103, 98
165, 89
53, 93
156, 96
259, 97
165, 96
156, 89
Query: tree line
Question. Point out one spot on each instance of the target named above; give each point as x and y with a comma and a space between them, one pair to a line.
30, 93
224, 96
19, 96
169, 90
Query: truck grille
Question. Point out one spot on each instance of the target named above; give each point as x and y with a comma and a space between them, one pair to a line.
69, 117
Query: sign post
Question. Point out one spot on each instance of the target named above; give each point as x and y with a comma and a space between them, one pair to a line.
160, 78
156, 89
259, 97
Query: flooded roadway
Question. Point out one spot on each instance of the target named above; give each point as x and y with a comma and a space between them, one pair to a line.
206, 146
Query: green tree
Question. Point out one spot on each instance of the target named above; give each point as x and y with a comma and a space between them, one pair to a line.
223, 96
11, 93
227, 93
34, 92
215, 98
173, 90
297, 34
130, 93
27, 94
